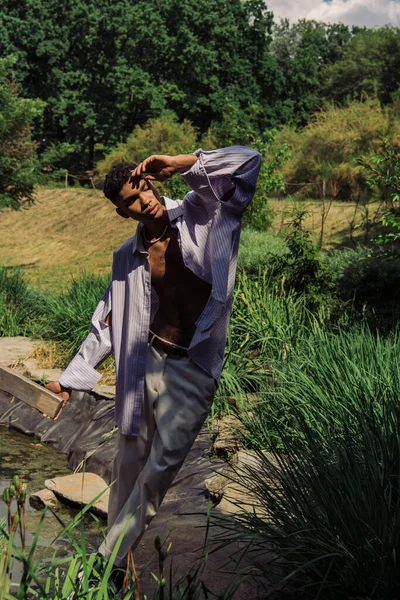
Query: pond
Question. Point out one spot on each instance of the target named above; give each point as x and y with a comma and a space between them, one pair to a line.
34, 463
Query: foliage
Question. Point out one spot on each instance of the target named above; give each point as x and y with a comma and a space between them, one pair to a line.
257, 248
53, 156
301, 51
265, 325
383, 171
21, 306
85, 575
69, 314
162, 135
370, 279
203, 60
330, 147
369, 65
111, 66
270, 180
17, 151
326, 493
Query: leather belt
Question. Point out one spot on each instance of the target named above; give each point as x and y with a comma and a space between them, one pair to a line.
165, 346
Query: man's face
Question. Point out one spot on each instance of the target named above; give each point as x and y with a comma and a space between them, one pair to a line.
141, 203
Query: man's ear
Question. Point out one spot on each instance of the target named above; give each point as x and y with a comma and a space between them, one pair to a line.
121, 213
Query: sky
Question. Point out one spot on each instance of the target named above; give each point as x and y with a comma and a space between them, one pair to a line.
370, 13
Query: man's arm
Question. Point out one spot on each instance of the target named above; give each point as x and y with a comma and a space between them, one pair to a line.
81, 372
227, 175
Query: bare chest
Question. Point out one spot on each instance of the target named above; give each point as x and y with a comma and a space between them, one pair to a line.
182, 294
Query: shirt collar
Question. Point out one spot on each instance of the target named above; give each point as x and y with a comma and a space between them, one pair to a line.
174, 211
174, 208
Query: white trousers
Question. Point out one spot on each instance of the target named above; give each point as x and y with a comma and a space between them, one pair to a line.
178, 396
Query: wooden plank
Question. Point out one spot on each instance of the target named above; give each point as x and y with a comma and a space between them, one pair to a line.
30, 392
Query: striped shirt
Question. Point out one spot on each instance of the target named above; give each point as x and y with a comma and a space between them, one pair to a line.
208, 220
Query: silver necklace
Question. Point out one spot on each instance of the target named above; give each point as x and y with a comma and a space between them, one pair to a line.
154, 240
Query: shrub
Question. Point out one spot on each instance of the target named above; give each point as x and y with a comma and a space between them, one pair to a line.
370, 279
162, 135
257, 248
328, 147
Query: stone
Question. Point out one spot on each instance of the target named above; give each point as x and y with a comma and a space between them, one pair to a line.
226, 441
227, 487
81, 489
105, 391
31, 369
13, 350
44, 498
217, 483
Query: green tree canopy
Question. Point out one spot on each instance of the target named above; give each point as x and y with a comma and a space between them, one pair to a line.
370, 64
104, 67
301, 50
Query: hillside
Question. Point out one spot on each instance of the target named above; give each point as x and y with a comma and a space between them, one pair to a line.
71, 230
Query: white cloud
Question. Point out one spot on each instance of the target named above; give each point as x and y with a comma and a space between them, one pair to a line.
371, 13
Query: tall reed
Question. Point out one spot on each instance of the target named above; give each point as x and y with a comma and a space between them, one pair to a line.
326, 487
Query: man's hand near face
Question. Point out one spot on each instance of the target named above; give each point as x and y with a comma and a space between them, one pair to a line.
160, 167
61, 391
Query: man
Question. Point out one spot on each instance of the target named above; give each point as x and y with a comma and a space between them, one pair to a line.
165, 317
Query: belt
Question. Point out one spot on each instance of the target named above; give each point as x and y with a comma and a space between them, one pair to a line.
166, 346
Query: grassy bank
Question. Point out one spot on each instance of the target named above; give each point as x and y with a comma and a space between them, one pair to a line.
69, 231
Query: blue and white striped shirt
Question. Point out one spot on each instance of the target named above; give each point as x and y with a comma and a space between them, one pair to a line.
208, 233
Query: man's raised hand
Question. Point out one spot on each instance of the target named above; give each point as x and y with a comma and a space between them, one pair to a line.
157, 167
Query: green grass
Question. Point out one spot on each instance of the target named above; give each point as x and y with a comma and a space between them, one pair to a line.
257, 248
57, 578
327, 487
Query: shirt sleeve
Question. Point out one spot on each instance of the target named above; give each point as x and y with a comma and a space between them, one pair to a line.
81, 372
227, 175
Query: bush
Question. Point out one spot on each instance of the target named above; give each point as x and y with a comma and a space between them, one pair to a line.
329, 147
163, 135
257, 248
370, 279
18, 164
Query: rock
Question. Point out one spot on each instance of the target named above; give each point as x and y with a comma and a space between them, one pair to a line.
31, 369
226, 440
81, 488
105, 391
231, 487
217, 483
14, 350
44, 498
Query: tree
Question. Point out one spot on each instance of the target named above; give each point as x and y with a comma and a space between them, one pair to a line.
370, 64
104, 67
18, 163
162, 135
301, 50
324, 154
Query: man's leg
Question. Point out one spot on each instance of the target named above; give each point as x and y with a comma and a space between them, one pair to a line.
184, 397
132, 452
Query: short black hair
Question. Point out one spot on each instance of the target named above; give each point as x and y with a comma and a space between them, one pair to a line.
116, 179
